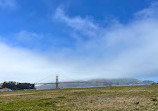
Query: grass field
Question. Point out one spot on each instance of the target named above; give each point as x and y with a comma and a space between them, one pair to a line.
121, 98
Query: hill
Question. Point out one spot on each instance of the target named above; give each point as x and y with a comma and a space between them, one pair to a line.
111, 98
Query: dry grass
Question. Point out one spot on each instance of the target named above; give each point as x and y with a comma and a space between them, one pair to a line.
123, 98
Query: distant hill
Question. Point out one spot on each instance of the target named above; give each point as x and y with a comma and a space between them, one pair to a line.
98, 83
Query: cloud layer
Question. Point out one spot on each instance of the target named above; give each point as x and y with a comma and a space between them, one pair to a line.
123, 50
116, 51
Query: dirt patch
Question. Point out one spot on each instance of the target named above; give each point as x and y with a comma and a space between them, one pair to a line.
16, 94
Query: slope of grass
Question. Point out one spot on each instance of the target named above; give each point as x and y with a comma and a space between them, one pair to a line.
120, 98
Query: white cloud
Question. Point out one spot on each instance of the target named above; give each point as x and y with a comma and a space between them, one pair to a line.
20, 64
77, 23
25, 65
127, 50
24, 35
7, 4
120, 50
150, 12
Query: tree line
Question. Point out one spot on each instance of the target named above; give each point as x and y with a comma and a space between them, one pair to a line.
17, 86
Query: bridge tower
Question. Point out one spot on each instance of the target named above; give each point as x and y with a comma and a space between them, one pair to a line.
57, 82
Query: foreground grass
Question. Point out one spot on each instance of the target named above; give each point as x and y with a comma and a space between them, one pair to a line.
122, 98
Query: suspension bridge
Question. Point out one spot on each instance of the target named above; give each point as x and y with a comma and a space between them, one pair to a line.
57, 82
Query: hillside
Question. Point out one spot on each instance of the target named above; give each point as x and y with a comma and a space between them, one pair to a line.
112, 98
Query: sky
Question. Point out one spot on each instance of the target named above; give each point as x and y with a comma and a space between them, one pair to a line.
78, 39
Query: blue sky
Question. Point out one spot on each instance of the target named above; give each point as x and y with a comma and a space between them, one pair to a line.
78, 39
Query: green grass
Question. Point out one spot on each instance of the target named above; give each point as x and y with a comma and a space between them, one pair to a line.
120, 98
